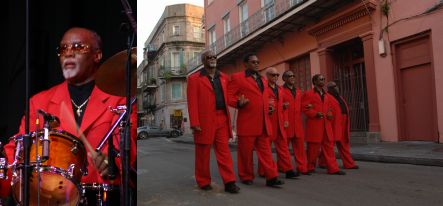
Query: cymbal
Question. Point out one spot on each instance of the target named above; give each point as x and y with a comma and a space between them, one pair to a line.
111, 75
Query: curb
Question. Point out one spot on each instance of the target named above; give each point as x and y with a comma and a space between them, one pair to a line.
364, 157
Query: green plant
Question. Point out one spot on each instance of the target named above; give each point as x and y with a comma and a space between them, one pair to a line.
152, 80
385, 7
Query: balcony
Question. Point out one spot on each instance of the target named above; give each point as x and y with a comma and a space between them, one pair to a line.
172, 72
268, 24
151, 51
150, 85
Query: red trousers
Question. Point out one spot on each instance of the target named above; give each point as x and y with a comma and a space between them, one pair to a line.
222, 154
245, 161
327, 147
283, 156
299, 152
345, 155
343, 147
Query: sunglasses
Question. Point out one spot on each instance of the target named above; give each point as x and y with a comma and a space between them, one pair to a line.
274, 75
291, 76
321, 79
77, 48
211, 57
254, 62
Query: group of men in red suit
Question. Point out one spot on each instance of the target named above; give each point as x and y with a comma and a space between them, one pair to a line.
267, 113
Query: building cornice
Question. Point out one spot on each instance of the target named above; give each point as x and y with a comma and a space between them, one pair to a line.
352, 14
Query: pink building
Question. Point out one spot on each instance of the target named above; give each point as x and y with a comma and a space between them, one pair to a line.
384, 55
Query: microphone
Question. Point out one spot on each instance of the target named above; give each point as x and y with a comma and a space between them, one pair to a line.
50, 122
49, 117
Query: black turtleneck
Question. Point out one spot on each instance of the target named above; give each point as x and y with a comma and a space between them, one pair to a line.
341, 102
79, 94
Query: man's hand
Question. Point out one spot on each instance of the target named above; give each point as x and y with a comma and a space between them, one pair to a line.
100, 162
329, 115
285, 105
286, 124
308, 106
196, 129
242, 101
319, 115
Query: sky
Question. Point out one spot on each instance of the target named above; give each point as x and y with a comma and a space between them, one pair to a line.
148, 13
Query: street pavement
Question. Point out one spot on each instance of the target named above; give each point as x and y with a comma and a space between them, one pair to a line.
166, 169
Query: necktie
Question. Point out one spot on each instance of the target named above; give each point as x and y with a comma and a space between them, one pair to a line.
259, 82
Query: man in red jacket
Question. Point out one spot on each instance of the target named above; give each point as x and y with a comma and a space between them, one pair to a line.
247, 93
294, 131
210, 123
340, 126
80, 105
317, 107
278, 136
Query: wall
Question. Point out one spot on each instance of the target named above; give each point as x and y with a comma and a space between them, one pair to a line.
384, 66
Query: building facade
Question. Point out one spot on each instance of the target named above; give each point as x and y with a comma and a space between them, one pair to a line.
383, 54
177, 37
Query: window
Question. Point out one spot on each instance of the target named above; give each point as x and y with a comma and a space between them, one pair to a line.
301, 67
243, 13
162, 93
294, 2
212, 38
176, 30
176, 93
175, 62
227, 29
197, 33
268, 10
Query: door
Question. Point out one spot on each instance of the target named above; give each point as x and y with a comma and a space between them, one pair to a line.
350, 76
416, 89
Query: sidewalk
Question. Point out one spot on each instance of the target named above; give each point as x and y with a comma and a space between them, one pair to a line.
413, 152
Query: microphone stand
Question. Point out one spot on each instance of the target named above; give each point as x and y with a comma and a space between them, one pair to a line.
26, 137
125, 140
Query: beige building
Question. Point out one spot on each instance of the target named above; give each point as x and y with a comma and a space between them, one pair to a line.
177, 38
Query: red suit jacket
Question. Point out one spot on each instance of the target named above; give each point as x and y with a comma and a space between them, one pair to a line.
340, 133
278, 112
315, 126
293, 113
97, 120
201, 106
253, 116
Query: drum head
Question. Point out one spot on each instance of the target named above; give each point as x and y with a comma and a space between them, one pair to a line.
54, 189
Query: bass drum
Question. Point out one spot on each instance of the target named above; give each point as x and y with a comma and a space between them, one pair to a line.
60, 175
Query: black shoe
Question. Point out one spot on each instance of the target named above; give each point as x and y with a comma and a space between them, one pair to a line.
274, 183
292, 175
247, 182
310, 172
230, 187
353, 168
206, 187
306, 173
339, 173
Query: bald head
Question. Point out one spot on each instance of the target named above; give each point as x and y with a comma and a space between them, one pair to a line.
332, 87
96, 40
272, 75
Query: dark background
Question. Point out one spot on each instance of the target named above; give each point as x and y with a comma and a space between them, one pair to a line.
48, 22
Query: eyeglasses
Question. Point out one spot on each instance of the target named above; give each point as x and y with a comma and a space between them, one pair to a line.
291, 76
77, 48
254, 62
211, 57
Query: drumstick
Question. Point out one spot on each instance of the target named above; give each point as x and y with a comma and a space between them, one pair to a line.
71, 121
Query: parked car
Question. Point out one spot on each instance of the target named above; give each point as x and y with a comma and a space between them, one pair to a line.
144, 132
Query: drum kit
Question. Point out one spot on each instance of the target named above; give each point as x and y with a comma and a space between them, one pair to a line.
56, 171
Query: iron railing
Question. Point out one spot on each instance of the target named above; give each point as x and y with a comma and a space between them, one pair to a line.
257, 20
